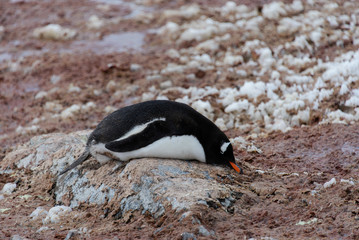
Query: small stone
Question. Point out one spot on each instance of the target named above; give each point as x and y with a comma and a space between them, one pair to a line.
18, 237
203, 231
42, 229
55, 79
38, 213
135, 67
41, 94
2, 31
111, 86
73, 88
188, 236
166, 84
72, 234
95, 22
8, 188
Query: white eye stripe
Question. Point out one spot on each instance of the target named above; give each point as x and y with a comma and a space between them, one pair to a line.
224, 147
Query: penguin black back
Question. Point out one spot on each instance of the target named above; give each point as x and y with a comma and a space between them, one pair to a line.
147, 129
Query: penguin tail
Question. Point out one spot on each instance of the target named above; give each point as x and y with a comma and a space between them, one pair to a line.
84, 156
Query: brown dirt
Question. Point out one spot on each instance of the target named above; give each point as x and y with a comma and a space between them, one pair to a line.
289, 190
296, 164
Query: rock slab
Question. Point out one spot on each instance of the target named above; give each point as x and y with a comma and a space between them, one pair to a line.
144, 186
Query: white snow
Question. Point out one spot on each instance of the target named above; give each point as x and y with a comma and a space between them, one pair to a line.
170, 27
330, 183
331, 6
95, 22
316, 36
70, 111
54, 32
344, 89
253, 24
237, 106
332, 20
203, 107
210, 44
197, 34
221, 124
274, 10
296, 7
353, 101
173, 68
274, 85
351, 182
227, 8
184, 11
24, 130
53, 107
265, 58
288, 26
252, 90
173, 53
231, 60
134, 67
203, 58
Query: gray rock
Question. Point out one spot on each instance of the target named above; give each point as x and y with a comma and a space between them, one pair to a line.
18, 237
188, 236
72, 234
147, 185
204, 232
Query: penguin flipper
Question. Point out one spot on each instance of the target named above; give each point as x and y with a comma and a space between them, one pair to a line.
150, 134
85, 155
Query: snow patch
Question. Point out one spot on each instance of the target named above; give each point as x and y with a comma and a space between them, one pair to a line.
54, 32
330, 183
274, 10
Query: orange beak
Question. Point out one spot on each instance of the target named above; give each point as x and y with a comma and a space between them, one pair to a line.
238, 169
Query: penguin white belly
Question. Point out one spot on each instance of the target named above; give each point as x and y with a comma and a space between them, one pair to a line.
178, 147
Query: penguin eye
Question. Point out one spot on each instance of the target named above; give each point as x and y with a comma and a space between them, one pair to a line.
224, 146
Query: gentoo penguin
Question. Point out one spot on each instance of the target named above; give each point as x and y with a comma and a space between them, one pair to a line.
160, 129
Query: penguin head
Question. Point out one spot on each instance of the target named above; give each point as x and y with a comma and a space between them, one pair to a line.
225, 155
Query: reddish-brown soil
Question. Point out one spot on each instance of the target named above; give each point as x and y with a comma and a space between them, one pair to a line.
281, 190
284, 182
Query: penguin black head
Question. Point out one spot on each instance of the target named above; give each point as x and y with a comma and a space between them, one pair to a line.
222, 154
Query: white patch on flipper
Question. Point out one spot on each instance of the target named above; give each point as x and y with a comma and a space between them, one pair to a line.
178, 147
224, 147
139, 128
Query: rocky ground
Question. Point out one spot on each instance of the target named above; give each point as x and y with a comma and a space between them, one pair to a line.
280, 78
